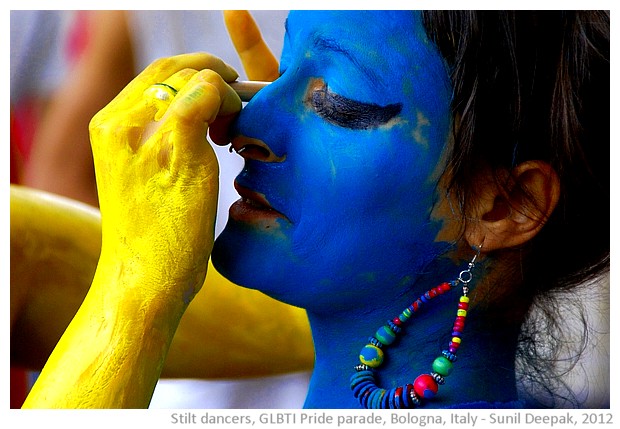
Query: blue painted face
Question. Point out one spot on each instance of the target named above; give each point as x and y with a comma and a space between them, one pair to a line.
344, 148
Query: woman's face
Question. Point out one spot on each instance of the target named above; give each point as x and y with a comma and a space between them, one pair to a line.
342, 155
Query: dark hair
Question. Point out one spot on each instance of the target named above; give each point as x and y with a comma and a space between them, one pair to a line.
535, 85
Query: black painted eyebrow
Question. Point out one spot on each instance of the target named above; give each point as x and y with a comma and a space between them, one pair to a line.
349, 113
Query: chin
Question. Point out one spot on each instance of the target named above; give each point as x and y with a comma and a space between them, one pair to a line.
251, 260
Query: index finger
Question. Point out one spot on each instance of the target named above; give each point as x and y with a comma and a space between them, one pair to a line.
256, 57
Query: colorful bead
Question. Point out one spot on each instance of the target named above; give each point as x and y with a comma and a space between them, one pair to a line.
425, 386
442, 366
385, 335
371, 356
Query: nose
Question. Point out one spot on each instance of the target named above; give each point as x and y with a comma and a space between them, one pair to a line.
252, 148
262, 129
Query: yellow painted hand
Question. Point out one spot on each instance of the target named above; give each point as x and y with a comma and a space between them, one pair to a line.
158, 179
158, 182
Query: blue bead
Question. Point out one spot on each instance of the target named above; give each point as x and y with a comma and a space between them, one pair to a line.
391, 403
365, 396
361, 376
360, 388
375, 342
385, 401
374, 401
405, 398
394, 327
450, 356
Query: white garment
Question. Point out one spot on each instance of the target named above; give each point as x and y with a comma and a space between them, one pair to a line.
283, 391
163, 33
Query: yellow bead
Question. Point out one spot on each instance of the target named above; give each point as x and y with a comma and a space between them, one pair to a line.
464, 299
456, 340
461, 313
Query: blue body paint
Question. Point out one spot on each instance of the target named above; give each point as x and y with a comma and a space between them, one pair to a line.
358, 201
357, 238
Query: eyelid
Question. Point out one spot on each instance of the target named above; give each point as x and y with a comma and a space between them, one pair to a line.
348, 113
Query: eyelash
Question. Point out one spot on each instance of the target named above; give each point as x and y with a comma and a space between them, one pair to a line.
348, 113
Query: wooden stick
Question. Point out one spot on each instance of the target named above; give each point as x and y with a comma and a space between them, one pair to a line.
247, 88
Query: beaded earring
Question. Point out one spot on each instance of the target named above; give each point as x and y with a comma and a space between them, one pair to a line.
425, 386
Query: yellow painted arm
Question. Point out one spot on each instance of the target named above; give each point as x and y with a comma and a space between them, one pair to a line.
227, 331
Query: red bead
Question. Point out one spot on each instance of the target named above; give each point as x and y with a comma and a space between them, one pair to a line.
397, 395
407, 395
444, 287
432, 293
397, 321
425, 386
454, 346
463, 305
459, 319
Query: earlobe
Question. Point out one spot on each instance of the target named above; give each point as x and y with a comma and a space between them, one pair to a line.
510, 215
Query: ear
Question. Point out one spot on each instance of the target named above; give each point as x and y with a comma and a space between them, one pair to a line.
510, 215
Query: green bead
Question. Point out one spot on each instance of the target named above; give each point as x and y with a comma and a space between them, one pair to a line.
442, 366
385, 335
371, 356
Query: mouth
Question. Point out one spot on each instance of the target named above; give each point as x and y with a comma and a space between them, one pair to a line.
253, 207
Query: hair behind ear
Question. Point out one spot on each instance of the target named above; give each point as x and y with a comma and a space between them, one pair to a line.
534, 85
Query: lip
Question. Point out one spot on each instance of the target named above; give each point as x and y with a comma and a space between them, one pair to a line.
253, 207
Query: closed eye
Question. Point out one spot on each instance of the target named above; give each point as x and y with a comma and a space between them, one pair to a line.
348, 113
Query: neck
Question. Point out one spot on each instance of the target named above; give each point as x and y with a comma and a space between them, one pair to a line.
484, 370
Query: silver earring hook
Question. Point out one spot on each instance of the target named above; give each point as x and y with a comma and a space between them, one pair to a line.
466, 275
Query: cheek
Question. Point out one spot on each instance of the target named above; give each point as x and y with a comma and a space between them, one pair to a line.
364, 190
